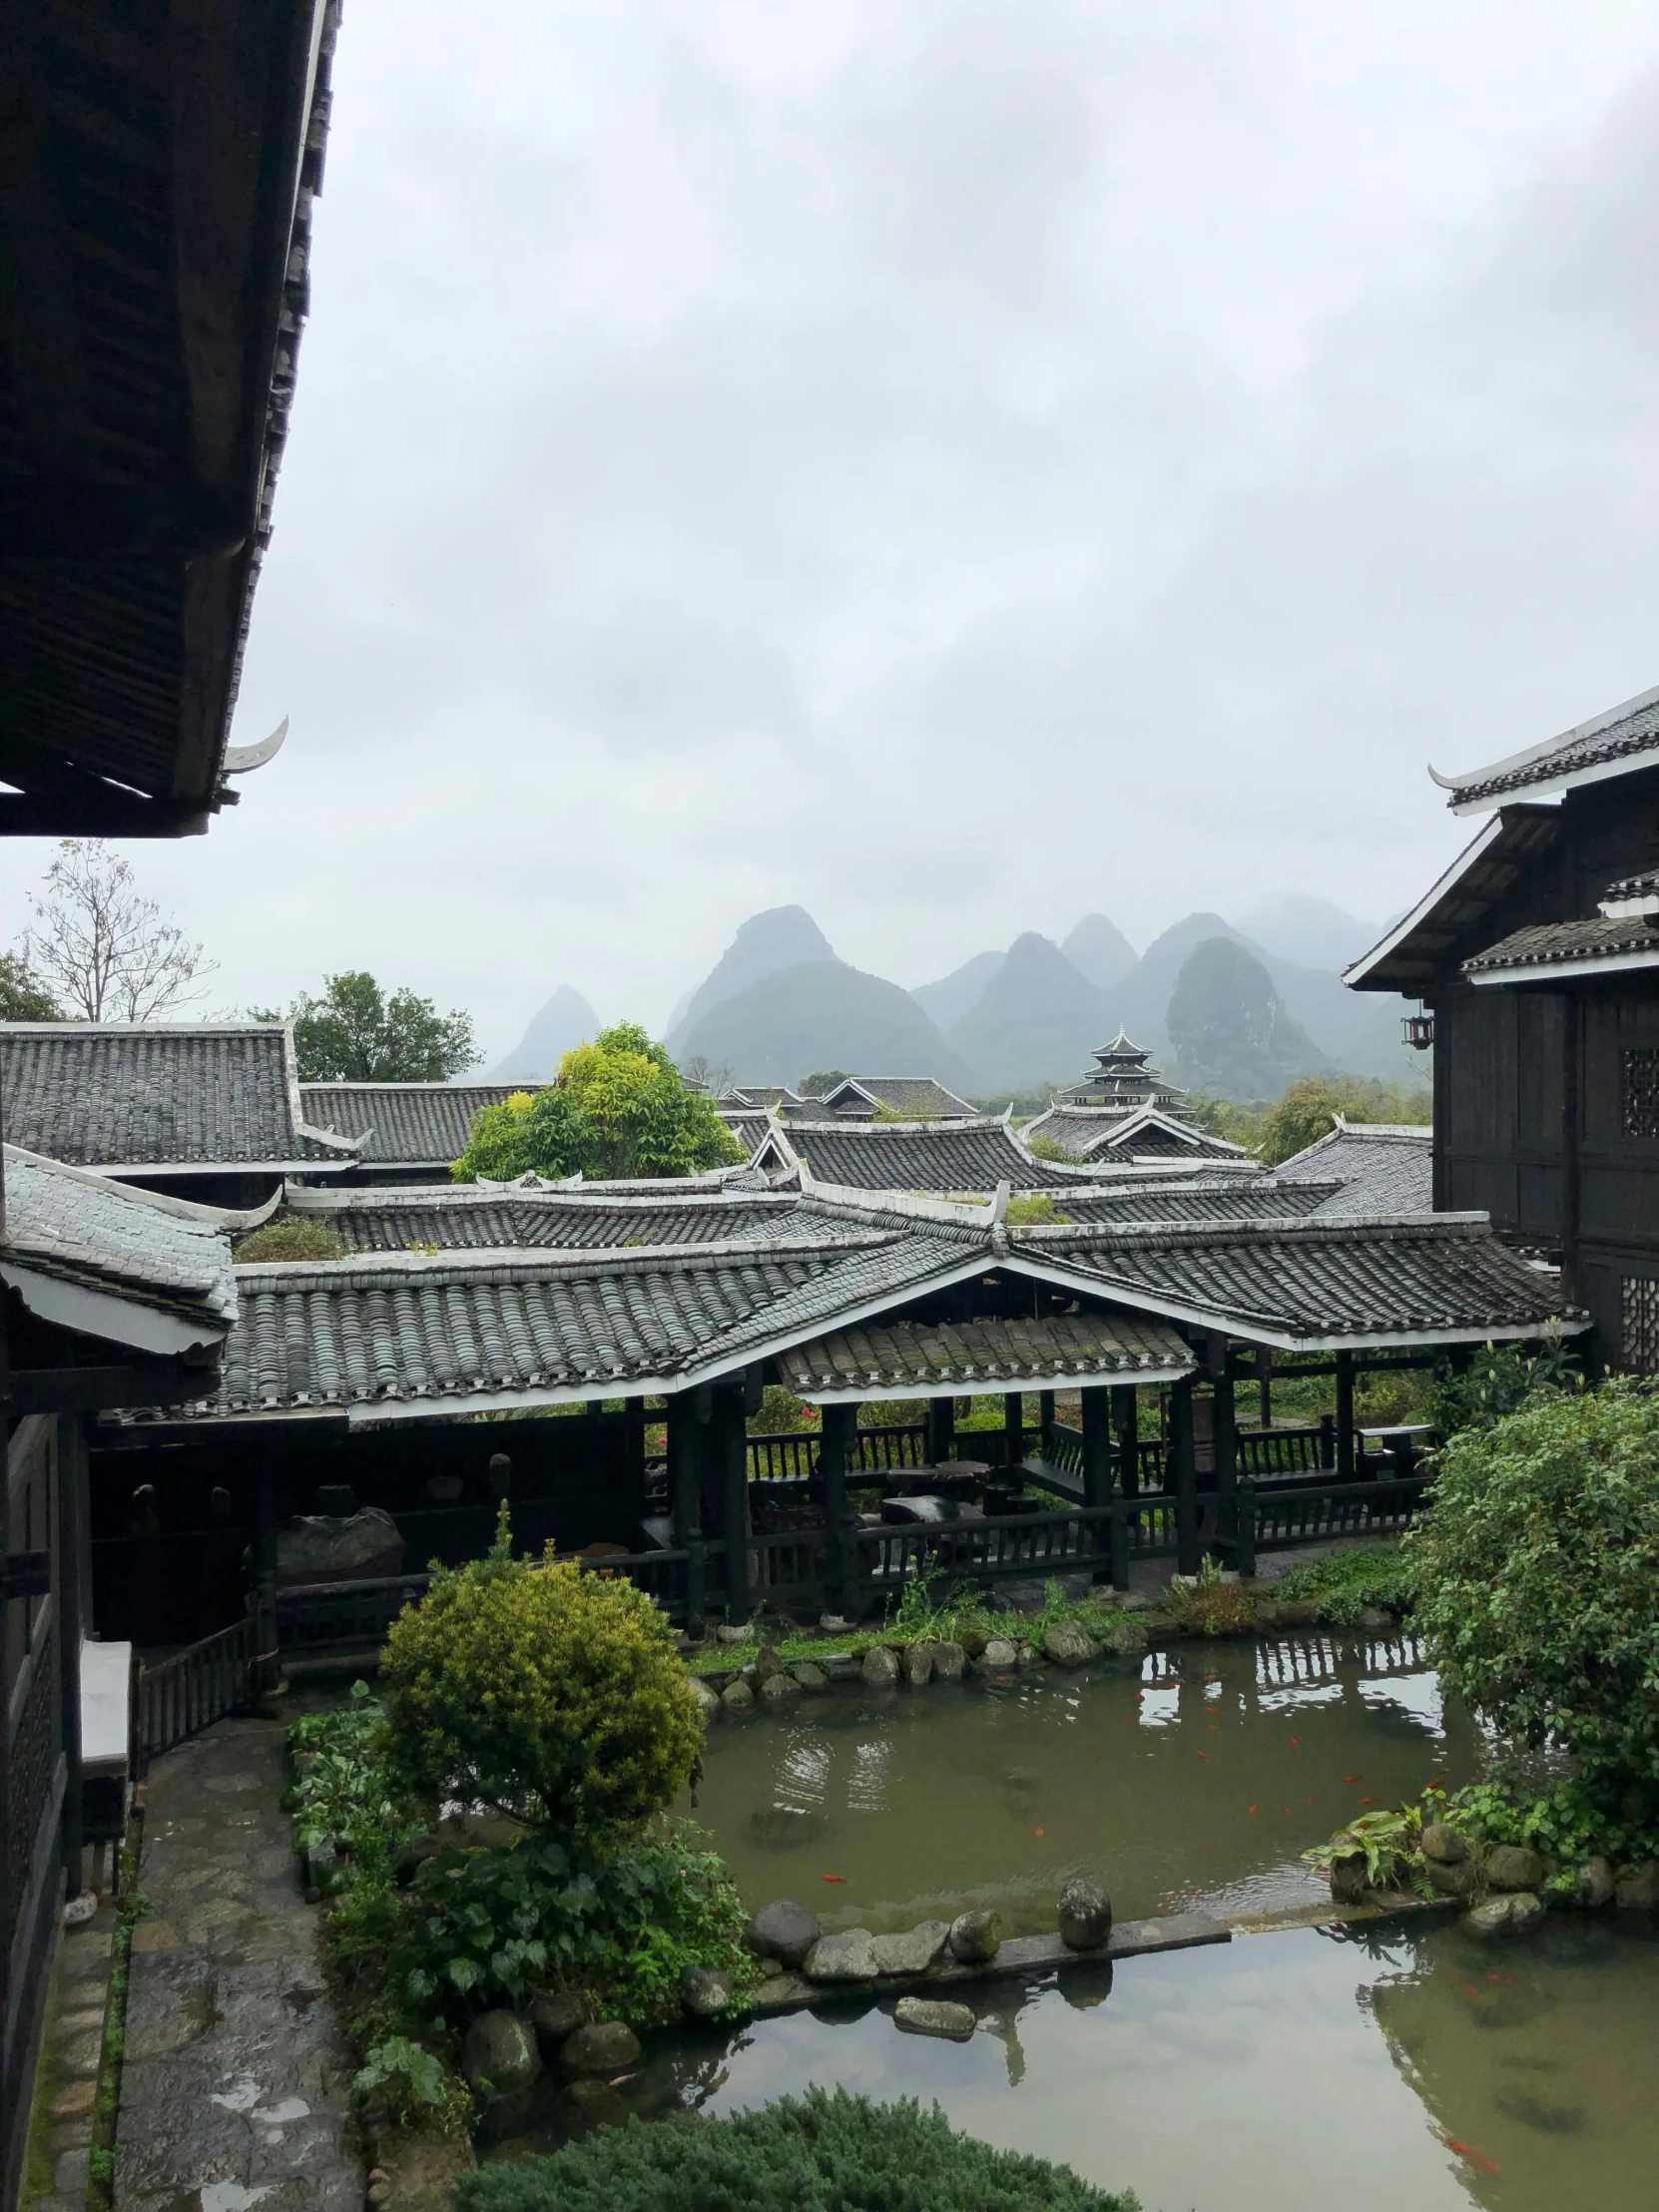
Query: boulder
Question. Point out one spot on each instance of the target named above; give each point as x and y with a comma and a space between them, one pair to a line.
1595, 1883
913, 1951
880, 1668
1069, 1644
727, 1633
835, 1624
933, 2017
782, 1930
322, 1547
1348, 1876
849, 1957
738, 1697
587, 2104
999, 1656
810, 1677
1443, 1844
975, 1937
949, 1661
1085, 1915
767, 1664
1459, 1881
778, 1689
605, 2047
1512, 1867
500, 2054
840, 1666
1510, 1912
1638, 1887
556, 2013
704, 1992
918, 1665
778, 1989
708, 1699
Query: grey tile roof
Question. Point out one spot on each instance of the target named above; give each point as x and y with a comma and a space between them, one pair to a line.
85, 1230
1266, 1198
983, 1355
917, 1095
1123, 1078
408, 1124
465, 1218
1632, 889
1378, 1168
748, 1125
1416, 949
1554, 946
185, 1095
1314, 1279
1142, 1132
925, 1156
432, 1333
1622, 740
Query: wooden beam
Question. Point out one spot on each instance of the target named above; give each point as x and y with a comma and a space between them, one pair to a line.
58, 517
100, 1389
118, 815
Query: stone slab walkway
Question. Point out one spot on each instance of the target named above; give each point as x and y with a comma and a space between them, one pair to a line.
60, 2136
235, 2089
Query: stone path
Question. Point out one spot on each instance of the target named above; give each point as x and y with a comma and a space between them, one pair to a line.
61, 2124
235, 2089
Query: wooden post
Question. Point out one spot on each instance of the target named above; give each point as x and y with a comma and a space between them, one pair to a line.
835, 1454
71, 1452
1046, 1423
1097, 1458
1126, 1419
1264, 1380
1572, 1289
1227, 1444
942, 1431
1183, 1467
1328, 1441
685, 1437
728, 1435
1345, 1416
1245, 1555
1120, 1543
266, 1664
1014, 1429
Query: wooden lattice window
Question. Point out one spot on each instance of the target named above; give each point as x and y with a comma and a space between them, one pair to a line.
1640, 1105
1641, 1324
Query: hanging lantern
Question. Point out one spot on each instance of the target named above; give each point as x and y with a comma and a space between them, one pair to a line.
1418, 1030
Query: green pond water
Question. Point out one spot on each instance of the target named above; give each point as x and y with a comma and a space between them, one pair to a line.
1195, 1776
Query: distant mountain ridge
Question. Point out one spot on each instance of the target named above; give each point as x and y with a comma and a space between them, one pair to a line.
565, 1021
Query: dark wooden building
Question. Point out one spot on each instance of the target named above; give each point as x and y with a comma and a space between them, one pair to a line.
1537, 956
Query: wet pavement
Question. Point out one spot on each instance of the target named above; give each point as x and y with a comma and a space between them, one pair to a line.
237, 2084
61, 2124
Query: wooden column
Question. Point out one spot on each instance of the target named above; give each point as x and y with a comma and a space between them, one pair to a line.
1264, 1380
686, 1435
1014, 1427
267, 1666
1227, 1445
1046, 1423
1126, 1419
835, 1456
730, 1437
1572, 1289
1097, 1468
1345, 1416
71, 1606
942, 1430
1183, 1472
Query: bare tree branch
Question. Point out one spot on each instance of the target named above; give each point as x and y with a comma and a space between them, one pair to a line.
103, 947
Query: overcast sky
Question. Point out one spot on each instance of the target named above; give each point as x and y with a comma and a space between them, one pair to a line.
951, 466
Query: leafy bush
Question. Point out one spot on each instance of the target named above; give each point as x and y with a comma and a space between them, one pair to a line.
290, 1237
1393, 1844
1037, 1212
1538, 1575
830, 2151
1499, 1379
620, 1107
1308, 1108
1210, 1607
1344, 1582
1574, 1820
415, 2087
552, 1695
495, 1925
344, 1794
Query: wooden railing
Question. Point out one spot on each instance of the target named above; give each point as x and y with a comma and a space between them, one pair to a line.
186, 1692
1287, 1451
1034, 1544
790, 1454
1306, 1513
344, 1616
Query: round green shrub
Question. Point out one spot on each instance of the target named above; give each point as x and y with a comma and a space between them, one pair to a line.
290, 1237
1537, 1574
553, 1695
831, 2152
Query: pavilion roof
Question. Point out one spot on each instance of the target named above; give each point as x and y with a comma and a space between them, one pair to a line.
972, 1155
917, 1095
422, 1125
126, 1266
950, 1357
1604, 946
1621, 741
1234, 1199
465, 1217
130, 1097
1413, 952
1375, 1167
1144, 1130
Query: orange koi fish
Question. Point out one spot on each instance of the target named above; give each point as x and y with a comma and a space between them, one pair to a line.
1353, 1777
1253, 1808
831, 1877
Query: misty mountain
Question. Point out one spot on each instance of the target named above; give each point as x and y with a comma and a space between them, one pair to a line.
566, 1020
957, 994
1230, 1030
820, 1014
780, 937
1099, 950
1037, 1021
1312, 932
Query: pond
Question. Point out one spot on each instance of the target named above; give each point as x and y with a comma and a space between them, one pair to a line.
1197, 1776
1398, 2064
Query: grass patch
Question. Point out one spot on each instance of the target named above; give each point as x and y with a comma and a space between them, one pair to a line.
105, 2107
1343, 1583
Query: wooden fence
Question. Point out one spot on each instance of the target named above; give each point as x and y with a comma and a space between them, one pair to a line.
186, 1692
1306, 1513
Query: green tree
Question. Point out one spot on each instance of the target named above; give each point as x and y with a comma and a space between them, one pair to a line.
1538, 1575
1310, 1106
23, 997
553, 1695
822, 1083
619, 1108
355, 1033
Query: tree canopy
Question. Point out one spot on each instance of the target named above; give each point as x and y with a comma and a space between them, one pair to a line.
1310, 1106
355, 1033
619, 1107
23, 997
96, 943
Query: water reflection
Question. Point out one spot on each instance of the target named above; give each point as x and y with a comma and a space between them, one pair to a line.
1197, 1774
1399, 2064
